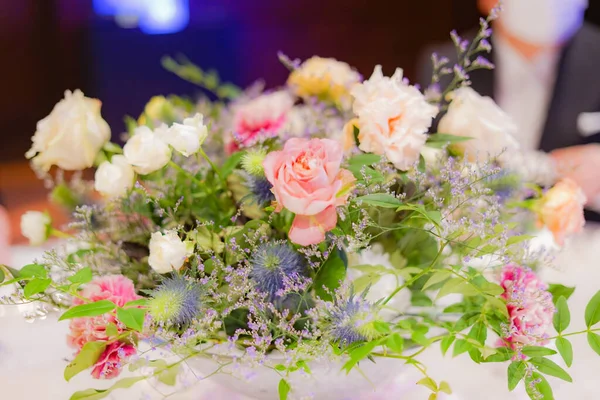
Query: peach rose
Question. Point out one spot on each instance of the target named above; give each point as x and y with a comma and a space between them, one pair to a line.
308, 181
561, 209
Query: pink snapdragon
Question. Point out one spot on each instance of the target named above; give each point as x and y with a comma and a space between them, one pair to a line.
308, 181
529, 305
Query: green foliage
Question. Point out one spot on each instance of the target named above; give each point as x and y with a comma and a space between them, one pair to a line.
97, 394
89, 310
86, 358
541, 386
592, 311
549, 367
133, 318
284, 389
565, 349
82, 276
231, 163
379, 200
516, 372
32, 271
395, 343
537, 351
364, 159
594, 341
440, 140
330, 275
558, 290
446, 342
36, 286
562, 317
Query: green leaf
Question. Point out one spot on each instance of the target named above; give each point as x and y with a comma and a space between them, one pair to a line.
111, 330
518, 239
331, 273
133, 318
479, 332
89, 310
284, 389
565, 349
502, 354
364, 159
461, 346
35, 286
549, 367
445, 387
231, 163
382, 327
358, 354
439, 140
562, 317
86, 358
558, 290
2, 276
428, 383
82, 276
168, 376
594, 341
537, 351
33, 271
516, 372
135, 303
96, 394
592, 311
541, 385
437, 277
379, 200
420, 299
446, 343
396, 343
457, 285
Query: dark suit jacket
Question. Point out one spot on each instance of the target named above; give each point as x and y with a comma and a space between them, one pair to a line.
577, 89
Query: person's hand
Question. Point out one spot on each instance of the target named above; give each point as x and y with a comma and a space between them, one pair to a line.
582, 164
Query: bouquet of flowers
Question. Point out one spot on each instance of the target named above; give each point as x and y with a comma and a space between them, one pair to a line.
324, 222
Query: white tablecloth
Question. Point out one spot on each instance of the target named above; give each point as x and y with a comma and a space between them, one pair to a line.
33, 356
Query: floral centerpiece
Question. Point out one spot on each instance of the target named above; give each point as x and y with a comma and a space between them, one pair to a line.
322, 222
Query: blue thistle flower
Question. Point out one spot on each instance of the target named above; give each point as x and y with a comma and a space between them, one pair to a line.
260, 189
351, 320
271, 262
176, 301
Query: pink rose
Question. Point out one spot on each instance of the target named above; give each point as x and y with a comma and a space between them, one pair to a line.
115, 288
561, 209
529, 305
308, 181
260, 118
111, 360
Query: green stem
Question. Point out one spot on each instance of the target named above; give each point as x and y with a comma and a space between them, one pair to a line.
60, 234
416, 277
212, 165
183, 171
576, 333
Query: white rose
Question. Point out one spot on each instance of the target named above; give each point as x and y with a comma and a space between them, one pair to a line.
114, 178
36, 227
187, 138
393, 118
472, 115
168, 252
146, 152
71, 136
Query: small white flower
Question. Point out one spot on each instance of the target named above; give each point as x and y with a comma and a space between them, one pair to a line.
146, 152
114, 178
187, 138
478, 117
168, 252
36, 227
71, 136
393, 118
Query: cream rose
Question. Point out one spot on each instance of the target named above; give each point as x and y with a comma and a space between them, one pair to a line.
187, 138
114, 178
36, 227
168, 252
393, 118
326, 79
71, 136
478, 117
146, 151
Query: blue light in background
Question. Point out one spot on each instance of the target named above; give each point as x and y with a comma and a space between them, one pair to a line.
153, 16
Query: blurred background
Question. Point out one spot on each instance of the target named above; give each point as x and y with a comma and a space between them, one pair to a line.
111, 49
